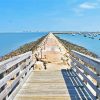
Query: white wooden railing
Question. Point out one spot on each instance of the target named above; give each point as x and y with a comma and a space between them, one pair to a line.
13, 73
88, 70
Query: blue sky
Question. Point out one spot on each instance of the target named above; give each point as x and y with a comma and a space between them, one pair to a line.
49, 15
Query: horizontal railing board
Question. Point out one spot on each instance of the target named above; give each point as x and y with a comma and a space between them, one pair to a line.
85, 68
13, 94
5, 65
87, 89
83, 88
91, 84
8, 60
81, 64
16, 62
14, 58
4, 80
8, 65
6, 91
95, 63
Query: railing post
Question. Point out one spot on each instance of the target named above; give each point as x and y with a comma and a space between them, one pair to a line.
98, 86
12, 75
88, 68
1, 89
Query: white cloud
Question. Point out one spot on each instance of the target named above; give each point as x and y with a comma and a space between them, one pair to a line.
88, 5
85, 6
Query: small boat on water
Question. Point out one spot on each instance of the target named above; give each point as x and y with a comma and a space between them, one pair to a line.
85, 35
73, 34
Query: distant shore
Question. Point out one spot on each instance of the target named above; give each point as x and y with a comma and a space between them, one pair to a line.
74, 32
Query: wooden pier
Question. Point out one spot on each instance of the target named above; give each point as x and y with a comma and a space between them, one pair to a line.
66, 77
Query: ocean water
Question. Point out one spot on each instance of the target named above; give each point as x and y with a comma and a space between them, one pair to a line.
92, 45
12, 41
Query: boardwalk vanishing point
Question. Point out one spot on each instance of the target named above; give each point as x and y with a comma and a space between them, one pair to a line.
50, 73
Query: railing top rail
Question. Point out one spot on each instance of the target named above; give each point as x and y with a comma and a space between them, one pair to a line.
95, 63
12, 61
88, 69
14, 58
89, 57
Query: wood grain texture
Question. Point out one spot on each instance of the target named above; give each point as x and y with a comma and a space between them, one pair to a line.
44, 85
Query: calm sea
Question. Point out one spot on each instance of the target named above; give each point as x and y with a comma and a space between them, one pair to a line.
91, 44
12, 41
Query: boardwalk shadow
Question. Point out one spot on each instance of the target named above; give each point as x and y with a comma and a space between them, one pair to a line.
75, 87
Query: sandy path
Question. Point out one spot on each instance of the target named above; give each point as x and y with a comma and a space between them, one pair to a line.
52, 51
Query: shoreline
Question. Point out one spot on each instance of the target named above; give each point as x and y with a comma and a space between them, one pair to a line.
33, 45
70, 46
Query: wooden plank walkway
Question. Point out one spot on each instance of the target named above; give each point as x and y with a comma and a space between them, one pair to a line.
44, 85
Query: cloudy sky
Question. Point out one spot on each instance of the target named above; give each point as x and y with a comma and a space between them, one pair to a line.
49, 15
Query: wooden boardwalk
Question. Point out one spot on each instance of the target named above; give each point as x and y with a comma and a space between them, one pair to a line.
66, 77
44, 85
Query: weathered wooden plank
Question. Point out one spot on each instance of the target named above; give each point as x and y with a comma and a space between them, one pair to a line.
11, 97
85, 68
8, 60
15, 58
50, 88
8, 64
6, 91
95, 63
3, 64
85, 87
4, 80
22, 73
11, 75
91, 84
